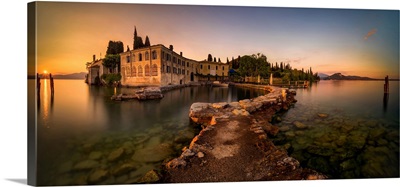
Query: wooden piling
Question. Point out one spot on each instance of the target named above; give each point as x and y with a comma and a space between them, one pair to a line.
386, 85
51, 85
38, 89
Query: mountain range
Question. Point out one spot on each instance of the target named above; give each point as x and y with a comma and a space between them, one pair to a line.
339, 76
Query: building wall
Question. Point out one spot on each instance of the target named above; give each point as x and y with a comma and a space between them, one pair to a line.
155, 66
214, 69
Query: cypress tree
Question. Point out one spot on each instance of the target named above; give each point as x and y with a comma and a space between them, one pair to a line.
209, 58
147, 42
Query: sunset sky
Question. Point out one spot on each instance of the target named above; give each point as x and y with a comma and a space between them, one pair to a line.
353, 42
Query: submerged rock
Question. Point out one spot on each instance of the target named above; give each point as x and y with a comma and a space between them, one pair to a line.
150, 177
123, 169
95, 155
322, 115
153, 154
97, 176
116, 154
86, 165
299, 125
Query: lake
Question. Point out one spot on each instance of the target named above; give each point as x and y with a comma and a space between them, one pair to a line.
347, 130
81, 131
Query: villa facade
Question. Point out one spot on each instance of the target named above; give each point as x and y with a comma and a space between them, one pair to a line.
158, 65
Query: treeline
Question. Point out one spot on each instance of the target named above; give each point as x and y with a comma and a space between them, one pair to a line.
257, 65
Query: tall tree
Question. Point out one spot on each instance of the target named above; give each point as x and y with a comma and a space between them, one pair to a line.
209, 58
147, 42
227, 60
215, 59
127, 48
219, 60
115, 47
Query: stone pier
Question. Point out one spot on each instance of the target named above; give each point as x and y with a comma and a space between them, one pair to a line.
234, 143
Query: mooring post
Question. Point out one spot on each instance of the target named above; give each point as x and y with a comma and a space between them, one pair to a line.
386, 85
38, 89
51, 85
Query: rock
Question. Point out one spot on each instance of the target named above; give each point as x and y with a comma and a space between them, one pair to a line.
97, 176
197, 107
95, 155
123, 169
322, 115
382, 142
284, 128
240, 112
153, 154
116, 154
183, 137
376, 133
177, 163
292, 91
200, 154
235, 105
220, 105
150, 177
187, 153
348, 165
290, 134
86, 165
299, 125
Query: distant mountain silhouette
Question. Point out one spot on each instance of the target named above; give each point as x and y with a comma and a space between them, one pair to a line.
322, 75
80, 75
339, 76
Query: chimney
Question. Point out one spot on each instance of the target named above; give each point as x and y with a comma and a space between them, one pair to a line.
171, 47
94, 58
181, 53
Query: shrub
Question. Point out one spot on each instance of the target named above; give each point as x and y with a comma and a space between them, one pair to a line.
109, 79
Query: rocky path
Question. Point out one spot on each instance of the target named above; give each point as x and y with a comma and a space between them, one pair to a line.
234, 145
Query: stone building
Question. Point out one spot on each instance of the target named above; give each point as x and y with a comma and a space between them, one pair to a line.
212, 71
156, 65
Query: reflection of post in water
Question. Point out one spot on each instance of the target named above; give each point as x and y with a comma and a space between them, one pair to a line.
386, 93
38, 89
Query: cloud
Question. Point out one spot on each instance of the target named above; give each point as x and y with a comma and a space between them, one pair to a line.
370, 33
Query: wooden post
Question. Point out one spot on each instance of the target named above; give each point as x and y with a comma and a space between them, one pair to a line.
386, 85
51, 85
38, 89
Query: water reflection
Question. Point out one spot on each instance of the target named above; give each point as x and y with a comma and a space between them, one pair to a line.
385, 101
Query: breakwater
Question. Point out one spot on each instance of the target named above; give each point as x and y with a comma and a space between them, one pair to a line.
234, 144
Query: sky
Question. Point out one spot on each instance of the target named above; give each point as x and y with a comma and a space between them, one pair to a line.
349, 41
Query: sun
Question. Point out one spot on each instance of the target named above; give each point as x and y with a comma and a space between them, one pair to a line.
45, 71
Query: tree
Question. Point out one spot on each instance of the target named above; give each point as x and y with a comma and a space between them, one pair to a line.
137, 40
215, 60
227, 60
127, 48
147, 42
254, 65
115, 47
219, 60
209, 58
112, 61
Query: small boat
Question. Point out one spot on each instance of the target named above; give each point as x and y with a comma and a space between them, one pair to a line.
219, 84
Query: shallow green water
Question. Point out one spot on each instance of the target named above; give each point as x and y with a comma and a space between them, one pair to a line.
85, 138
357, 138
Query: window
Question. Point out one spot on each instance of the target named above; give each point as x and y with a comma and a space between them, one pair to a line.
179, 70
140, 57
154, 70
223, 67
133, 58
179, 61
128, 59
154, 55
187, 72
208, 66
162, 55
183, 63
168, 69
187, 64
163, 68
168, 57
183, 72
146, 70
133, 71
216, 67
128, 71
140, 71
146, 56
174, 59
201, 66
174, 70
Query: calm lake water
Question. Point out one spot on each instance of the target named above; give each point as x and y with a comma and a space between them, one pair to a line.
345, 129
85, 138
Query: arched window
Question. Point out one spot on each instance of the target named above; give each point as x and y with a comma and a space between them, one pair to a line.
140, 57
146, 56
146, 70
154, 55
154, 70
133, 71
128, 71
140, 71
